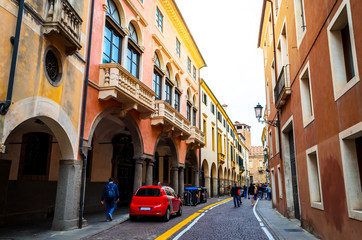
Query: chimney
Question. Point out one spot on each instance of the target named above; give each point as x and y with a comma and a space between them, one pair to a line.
225, 107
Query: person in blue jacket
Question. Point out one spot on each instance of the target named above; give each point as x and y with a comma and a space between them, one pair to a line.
110, 195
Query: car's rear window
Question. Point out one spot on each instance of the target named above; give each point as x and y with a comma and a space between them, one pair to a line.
148, 192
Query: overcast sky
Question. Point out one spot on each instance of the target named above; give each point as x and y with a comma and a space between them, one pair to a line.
226, 33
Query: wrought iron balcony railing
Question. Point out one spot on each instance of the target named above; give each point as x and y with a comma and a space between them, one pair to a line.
171, 120
117, 83
282, 88
63, 22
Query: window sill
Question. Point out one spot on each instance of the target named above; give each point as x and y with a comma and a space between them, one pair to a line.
338, 94
317, 205
355, 214
308, 120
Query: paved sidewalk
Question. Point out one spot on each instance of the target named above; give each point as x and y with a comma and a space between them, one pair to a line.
40, 230
279, 226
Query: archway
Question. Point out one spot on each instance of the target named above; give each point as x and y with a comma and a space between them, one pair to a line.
166, 165
115, 146
30, 170
213, 181
205, 176
191, 169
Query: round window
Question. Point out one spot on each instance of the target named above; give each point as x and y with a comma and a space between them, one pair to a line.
53, 66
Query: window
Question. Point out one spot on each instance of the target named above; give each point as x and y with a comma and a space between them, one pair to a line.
112, 12
178, 48
306, 96
53, 66
188, 111
342, 51
133, 55
157, 79
168, 89
194, 112
250, 164
280, 183
111, 45
177, 101
315, 190
159, 19
189, 65
351, 152
219, 116
204, 98
213, 138
212, 108
299, 20
194, 72
35, 156
224, 123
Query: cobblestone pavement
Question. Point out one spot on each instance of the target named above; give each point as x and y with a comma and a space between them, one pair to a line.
221, 222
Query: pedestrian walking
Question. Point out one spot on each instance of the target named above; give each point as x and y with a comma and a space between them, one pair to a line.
268, 188
110, 195
240, 192
252, 193
234, 194
245, 191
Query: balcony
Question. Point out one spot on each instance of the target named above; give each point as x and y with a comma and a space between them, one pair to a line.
63, 23
172, 120
117, 83
261, 169
282, 89
197, 137
221, 158
232, 164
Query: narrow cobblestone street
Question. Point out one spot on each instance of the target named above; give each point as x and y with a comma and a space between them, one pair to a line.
222, 221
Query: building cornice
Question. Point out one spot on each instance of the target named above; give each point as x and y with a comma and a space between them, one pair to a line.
180, 25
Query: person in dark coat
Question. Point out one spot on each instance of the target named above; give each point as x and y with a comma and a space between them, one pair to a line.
252, 193
110, 195
234, 194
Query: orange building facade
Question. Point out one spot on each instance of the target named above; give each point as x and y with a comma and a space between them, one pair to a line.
142, 109
312, 59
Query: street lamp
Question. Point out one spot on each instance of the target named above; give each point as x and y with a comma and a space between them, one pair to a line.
258, 113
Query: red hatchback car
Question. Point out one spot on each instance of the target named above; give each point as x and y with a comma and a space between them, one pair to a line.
159, 201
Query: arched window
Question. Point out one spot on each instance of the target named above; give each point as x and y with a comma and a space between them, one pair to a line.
157, 78
112, 36
133, 53
177, 95
112, 12
133, 33
168, 87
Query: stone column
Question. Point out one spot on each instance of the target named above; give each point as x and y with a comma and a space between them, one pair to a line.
124, 51
207, 185
214, 184
163, 87
196, 178
149, 172
68, 193
137, 183
181, 180
174, 178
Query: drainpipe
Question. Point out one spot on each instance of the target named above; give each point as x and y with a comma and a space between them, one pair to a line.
4, 106
81, 135
200, 97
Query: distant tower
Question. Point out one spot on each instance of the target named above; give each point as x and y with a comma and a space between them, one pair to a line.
245, 131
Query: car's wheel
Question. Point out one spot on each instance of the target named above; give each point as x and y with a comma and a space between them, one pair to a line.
132, 218
166, 217
179, 213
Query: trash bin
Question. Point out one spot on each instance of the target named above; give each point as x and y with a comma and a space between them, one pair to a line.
203, 194
195, 195
187, 198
